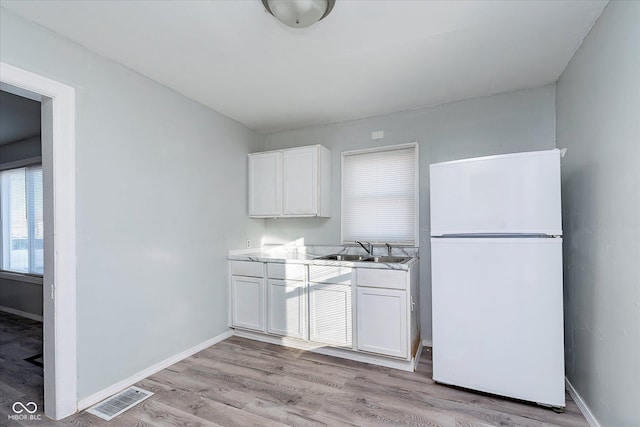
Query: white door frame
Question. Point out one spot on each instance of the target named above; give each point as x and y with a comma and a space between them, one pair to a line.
59, 285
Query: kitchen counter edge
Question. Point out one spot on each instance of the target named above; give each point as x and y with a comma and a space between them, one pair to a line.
309, 259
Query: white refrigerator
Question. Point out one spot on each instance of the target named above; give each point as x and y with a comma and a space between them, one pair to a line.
496, 264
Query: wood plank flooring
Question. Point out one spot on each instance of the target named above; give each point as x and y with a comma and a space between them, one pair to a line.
240, 382
20, 380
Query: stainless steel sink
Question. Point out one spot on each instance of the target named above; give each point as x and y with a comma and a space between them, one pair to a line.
365, 258
344, 257
389, 259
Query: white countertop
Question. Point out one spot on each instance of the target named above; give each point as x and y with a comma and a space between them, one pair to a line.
309, 255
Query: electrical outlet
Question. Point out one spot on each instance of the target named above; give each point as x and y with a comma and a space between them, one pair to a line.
377, 135
248, 243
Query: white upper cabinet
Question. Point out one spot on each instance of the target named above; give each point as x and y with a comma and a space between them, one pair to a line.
300, 181
265, 184
290, 183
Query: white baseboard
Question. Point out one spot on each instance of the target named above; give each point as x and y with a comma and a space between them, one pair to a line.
582, 405
389, 362
21, 313
427, 343
121, 385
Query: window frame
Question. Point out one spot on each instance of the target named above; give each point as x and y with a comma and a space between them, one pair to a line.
416, 225
29, 276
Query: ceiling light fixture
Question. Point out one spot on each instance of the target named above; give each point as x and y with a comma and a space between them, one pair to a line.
299, 13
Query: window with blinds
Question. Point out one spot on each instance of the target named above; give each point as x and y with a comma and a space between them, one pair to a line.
22, 225
380, 195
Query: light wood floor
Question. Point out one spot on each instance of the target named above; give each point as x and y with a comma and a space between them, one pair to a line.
240, 382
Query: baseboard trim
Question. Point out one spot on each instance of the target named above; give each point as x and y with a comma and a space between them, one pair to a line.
582, 405
121, 385
427, 343
389, 362
21, 313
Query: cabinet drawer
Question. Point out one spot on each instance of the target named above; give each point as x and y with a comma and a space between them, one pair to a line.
285, 271
330, 274
379, 278
247, 268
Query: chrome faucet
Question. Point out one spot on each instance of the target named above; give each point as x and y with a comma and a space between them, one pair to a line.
370, 245
388, 249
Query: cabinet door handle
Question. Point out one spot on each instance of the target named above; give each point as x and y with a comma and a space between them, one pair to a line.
413, 304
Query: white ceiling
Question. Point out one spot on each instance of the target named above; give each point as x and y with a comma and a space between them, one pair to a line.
366, 58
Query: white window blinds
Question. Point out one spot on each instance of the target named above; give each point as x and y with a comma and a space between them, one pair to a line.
21, 214
380, 195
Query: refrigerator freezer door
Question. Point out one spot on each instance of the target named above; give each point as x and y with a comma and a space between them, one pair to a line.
497, 316
513, 193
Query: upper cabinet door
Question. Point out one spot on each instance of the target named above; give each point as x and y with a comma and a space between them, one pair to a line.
294, 182
505, 194
265, 184
300, 184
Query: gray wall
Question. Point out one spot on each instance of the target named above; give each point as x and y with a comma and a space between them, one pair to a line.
161, 197
507, 123
21, 296
20, 150
19, 118
598, 104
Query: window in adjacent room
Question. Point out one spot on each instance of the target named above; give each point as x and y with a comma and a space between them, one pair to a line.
380, 195
21, 218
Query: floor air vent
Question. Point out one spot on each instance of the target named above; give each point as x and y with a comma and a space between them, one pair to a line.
118, 403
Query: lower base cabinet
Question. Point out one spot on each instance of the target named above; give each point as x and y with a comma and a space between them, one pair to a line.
248, 302
382, 321
286, 308
330, 314
369, 312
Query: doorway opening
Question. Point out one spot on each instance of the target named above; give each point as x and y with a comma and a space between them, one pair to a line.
55, 235
21, 250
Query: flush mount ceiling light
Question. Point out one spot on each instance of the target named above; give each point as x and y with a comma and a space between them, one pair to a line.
299, 13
